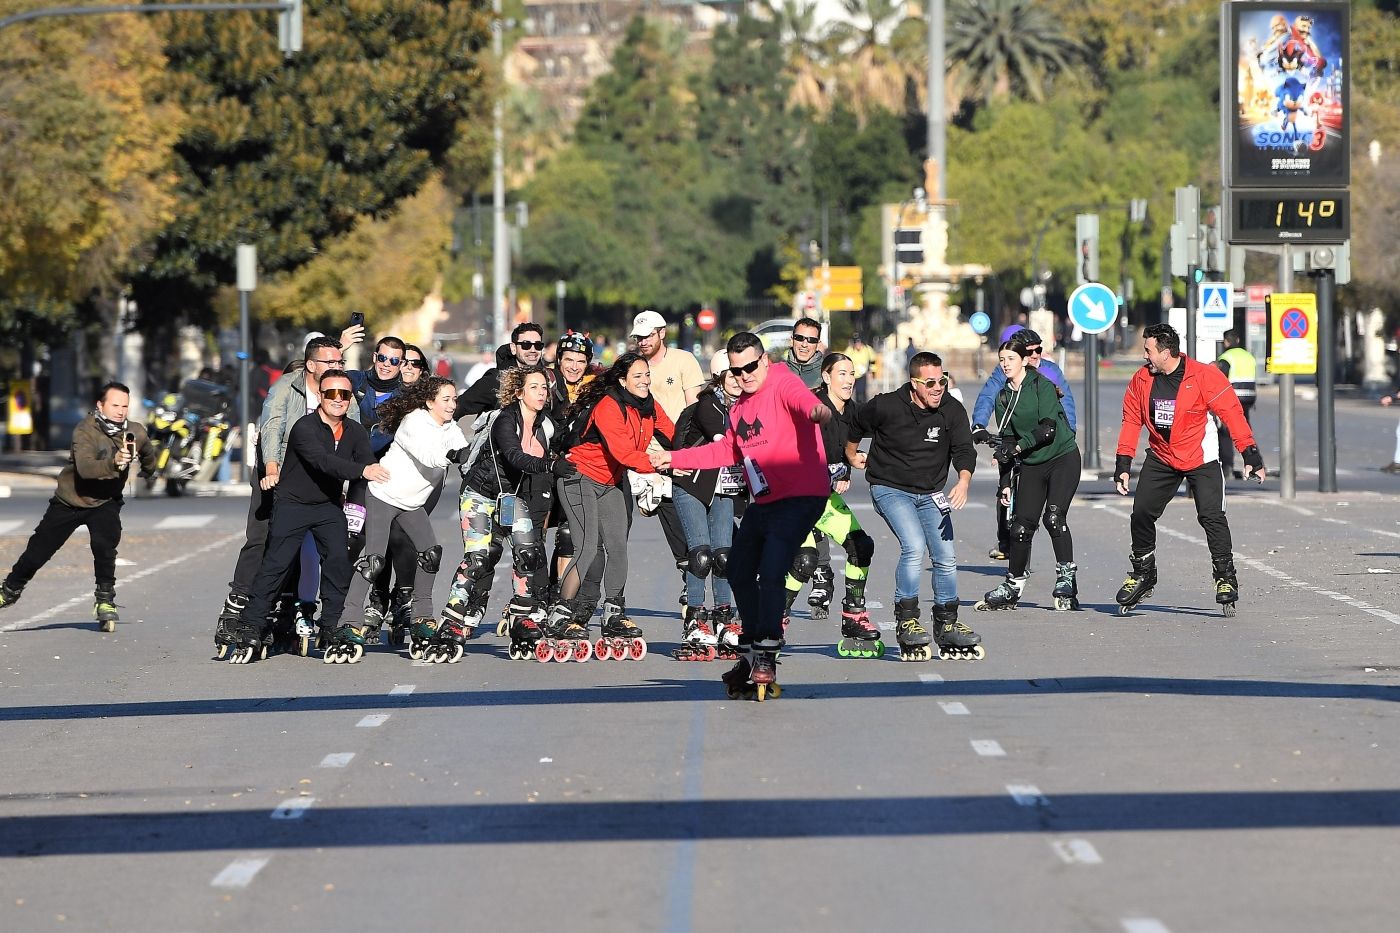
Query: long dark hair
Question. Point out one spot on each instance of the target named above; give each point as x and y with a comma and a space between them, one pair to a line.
611, 379
392, 411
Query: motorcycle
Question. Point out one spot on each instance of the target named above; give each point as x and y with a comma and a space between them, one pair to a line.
191, 430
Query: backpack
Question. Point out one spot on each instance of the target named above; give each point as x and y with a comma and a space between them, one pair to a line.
481, 436
580, 428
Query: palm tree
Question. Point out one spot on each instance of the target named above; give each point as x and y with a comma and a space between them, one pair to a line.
1006, 47
871, 74
808, 53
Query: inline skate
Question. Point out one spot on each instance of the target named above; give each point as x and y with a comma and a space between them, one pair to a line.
955, 640
1004, 596
755, 676
8, 595
565, 635
304, 628
246, 642
1066, 591
1227, 588
446, 644
346, 645
376, 614
621, 640
913, 638
698, 641
819, 600
727, 631
104, 609
229, 616
860, 638
400, 615
525, 636
1139, 583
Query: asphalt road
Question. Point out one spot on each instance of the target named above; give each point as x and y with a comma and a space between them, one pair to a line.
1167, 771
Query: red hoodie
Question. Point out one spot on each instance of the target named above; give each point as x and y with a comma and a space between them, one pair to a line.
1203, 388
624, 433
773, 429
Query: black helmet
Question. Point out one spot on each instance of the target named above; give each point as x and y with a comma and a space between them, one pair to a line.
1025, 337
575, 343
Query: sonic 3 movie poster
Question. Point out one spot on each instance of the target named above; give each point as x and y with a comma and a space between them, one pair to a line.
1291, 94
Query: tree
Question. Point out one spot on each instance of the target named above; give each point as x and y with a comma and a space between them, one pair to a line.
1005, 47
808, 53
86, 140
871, 74
291, 155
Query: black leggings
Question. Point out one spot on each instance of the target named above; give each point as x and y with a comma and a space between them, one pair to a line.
1044, 490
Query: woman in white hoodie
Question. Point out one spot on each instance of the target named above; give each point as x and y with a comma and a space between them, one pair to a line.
420, 420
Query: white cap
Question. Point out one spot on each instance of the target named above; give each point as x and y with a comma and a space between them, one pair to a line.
646, 322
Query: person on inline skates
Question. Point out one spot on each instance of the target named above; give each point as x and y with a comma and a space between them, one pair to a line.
1033, 433
89, 494
805, 359
917, 433
614, 419
325, 450
1172, 396
507, 490
774, 431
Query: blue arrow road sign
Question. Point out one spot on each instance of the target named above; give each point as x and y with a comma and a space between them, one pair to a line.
980, 322
1093, 307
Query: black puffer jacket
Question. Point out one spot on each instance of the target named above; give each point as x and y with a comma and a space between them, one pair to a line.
504, 466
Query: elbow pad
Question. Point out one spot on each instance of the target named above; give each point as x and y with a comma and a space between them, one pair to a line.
1044, 432
1253, 457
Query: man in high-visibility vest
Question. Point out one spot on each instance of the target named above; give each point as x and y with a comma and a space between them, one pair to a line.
1239, 366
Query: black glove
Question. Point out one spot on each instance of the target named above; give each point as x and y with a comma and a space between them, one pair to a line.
1003, 450
562, 468
1252, 457
1124, 464
1044, 432
459, 455
980, 435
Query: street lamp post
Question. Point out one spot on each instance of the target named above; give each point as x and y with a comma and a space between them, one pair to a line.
247, 262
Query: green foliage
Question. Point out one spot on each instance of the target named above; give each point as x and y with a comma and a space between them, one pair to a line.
1003, 47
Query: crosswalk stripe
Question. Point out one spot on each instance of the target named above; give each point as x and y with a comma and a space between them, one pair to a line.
171, 522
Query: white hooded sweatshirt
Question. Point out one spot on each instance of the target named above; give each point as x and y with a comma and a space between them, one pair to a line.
417, 460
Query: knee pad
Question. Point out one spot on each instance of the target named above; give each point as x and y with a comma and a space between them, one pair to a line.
720, 562
700, 561
860, 548
481, 565
370, 566
805, 563
1055, 522
1021, 532
563, 541
527, 558
431, 559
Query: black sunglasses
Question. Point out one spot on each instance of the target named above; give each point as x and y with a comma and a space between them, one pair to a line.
531, 344
391, 360
737, 371
416, 364
803, 338
1035, 349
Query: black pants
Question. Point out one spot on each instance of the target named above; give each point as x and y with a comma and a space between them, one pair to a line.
251, 555
760, 557
1227, 447
1044, 489
673, 529
288, 527
1158, 483
104, 524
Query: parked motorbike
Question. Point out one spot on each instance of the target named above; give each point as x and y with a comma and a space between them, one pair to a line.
191, 429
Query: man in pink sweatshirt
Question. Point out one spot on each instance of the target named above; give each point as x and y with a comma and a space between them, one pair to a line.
775, 432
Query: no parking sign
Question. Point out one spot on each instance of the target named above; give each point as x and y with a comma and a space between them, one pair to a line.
1292, 334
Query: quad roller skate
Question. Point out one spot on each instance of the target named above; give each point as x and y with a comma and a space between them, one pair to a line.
1139, 583
621, 639
913, 638
104, 610
1227, 588
755, 676
727, 630
859, 636
8, 595
1003, 597
819, 600
448, 642
956, 642
229, 616
346, 645
566, 636
420, 636
246, 644
400, 616
1066, 591
699, 642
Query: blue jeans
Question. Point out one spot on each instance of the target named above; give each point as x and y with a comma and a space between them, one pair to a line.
711, 527
921, 529
768, 539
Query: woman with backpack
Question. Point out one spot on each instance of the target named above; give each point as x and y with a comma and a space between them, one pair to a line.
706, 501
507, 489
614, 419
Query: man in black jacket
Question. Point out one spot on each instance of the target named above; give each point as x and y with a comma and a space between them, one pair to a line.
917, 433
525, 349
325, 450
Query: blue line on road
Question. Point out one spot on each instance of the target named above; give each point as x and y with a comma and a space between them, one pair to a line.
682, 893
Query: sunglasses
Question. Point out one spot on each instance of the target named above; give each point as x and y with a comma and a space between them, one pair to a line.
531, 344
337, 395
930, 382
737, 371
416, 364
1034, 349
803, 338
391, 360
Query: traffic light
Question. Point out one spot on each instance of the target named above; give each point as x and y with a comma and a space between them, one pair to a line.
1086, 234
909, 246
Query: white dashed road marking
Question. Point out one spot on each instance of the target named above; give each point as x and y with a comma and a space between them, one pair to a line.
402, 690
931, 678
373, 720
1077, 852
988, 748
8, 526
293, 808
954, 709
336, 760
1144, 925
239, 872
1027, 795
172, 522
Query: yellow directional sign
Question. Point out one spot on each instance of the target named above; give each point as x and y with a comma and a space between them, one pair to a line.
840, 287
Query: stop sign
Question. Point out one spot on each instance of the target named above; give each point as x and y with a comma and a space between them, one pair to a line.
706, 319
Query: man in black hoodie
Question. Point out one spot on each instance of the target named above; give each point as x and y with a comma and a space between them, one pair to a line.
525, 349
917, 433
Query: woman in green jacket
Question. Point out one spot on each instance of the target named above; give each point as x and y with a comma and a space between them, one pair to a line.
1033, 438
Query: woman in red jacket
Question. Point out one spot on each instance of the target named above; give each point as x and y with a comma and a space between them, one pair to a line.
616, 418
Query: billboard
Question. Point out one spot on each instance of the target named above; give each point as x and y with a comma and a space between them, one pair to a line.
1286, 71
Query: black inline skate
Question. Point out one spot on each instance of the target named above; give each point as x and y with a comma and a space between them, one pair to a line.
1066, 591
376, 614
247, 642
565, 635
466, 613
525, 636
860, 638
401, 615
8, 595
956, 642
1139, 583
621, 640
727, 630
819, 600
913, 638
420, 636
1227, 587
447, 643
1004, 596
755, 676
698, 640
229, 616
346, 645
304, 628
104, 609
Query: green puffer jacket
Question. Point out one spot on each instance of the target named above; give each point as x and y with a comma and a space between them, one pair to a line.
1037, 401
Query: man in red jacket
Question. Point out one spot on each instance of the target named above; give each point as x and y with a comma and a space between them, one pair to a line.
1173, 396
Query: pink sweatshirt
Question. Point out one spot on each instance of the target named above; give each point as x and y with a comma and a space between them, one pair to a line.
771, 429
